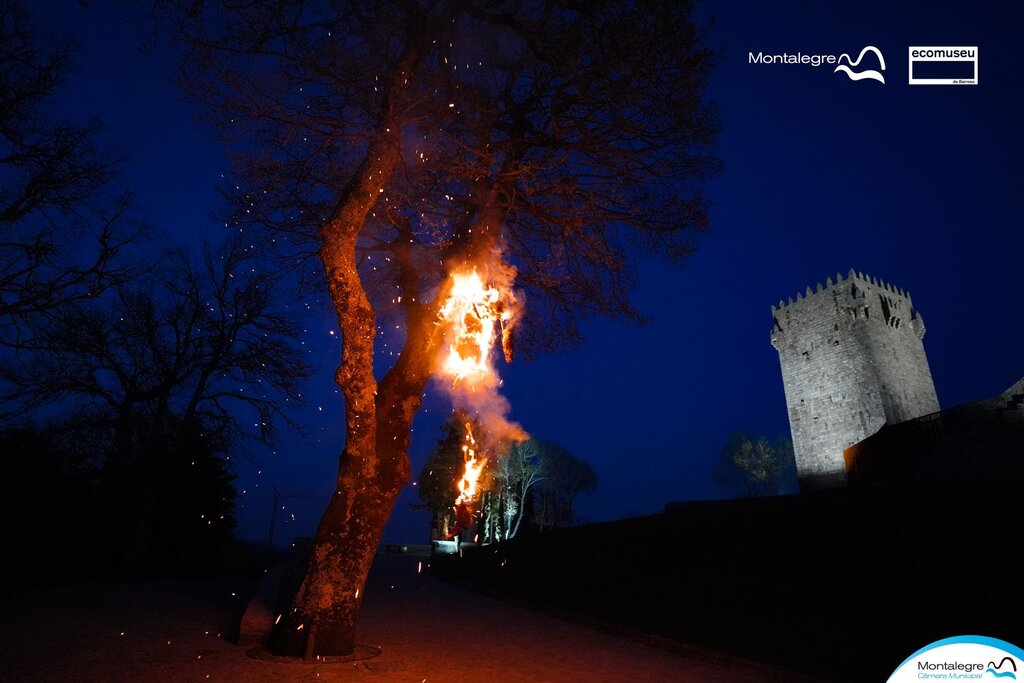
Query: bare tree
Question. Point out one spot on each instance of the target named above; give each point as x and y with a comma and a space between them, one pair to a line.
564, 478
207, 346
64, 229
400, 140
162, 375
516, 475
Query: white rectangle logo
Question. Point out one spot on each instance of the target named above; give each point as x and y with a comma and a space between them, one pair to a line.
943, 65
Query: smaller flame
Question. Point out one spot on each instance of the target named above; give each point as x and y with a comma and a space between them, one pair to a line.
470, 481
468, 485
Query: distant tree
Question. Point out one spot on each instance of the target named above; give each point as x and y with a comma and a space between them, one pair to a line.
64, 229
756, 466
564, 477
151, 371
161, 376
398, 141
506, 483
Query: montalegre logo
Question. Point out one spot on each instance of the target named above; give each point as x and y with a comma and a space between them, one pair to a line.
962, 658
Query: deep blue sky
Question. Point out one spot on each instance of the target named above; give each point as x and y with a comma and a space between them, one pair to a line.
918, 185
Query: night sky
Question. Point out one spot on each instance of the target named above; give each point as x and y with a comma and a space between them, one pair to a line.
918, 185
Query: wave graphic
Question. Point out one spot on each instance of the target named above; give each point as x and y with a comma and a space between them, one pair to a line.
1002, 661
867, 73
1000, 674
861, 75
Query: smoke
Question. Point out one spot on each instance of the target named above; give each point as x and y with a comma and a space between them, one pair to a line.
490, 409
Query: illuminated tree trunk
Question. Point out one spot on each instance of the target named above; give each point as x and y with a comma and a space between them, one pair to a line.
374, 466
322, 618
322, 621
373, 469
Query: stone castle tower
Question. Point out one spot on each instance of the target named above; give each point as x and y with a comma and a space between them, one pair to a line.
852, 360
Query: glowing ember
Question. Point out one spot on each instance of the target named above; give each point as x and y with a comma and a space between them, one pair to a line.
474, 310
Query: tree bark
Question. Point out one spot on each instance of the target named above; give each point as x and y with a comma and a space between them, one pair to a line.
374, 465
322, 619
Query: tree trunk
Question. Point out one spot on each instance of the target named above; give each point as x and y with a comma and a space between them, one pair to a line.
378, 416
323, 616
520, 512
374, 466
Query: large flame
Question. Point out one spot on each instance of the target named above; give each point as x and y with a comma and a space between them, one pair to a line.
475, 310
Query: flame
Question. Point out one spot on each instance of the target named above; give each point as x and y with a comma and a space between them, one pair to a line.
473, 314
469, 484
475, 310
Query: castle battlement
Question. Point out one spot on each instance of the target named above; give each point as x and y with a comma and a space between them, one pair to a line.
852, 275
852, 360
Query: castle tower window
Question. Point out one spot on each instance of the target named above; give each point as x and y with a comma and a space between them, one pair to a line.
885, 307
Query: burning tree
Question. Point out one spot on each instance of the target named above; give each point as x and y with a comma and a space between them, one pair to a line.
412, 144
436, 484
503, 479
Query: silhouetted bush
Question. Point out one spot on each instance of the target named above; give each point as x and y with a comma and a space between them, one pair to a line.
85, 508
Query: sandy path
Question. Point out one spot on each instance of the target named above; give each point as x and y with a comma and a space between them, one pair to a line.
427, 630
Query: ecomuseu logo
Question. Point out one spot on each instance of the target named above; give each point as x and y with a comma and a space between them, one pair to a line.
1009, 672
849, 67
961, 658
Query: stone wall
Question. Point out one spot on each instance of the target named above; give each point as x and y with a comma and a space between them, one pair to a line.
979, 442
852, 360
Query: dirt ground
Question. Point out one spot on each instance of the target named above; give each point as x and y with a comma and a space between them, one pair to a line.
426, 630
